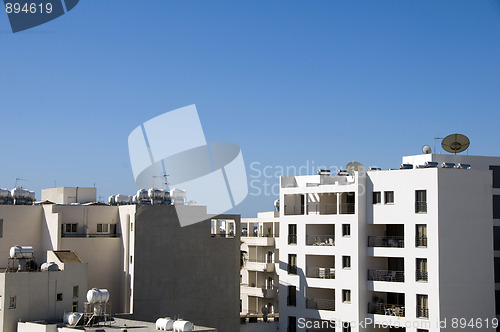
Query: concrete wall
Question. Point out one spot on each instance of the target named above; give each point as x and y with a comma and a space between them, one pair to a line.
183, 270
67, 195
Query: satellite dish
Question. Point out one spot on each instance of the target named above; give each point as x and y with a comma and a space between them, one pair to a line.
354, 166
426, 149
455, 143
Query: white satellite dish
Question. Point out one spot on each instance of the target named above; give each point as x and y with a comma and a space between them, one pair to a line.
426, 149
354, 166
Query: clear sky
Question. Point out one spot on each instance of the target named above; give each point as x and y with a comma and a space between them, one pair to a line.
294, 83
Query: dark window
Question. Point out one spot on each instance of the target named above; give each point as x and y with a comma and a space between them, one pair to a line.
346, 230
1, 227
421, 236
112, 228
420, 201
377, 197
59, 297
292, 234
389, 197
497, 269
292, 296
422, 306
496, 238
496, 176
497, 302
74, 307
292, 324
346, 296
346, 327
75, 291
421, 270
496, 206
12, 303
346, 262
292, 264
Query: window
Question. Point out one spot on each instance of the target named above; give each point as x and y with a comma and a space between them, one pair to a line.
496, 176
497, 302
12, 302
75, 291
389, 197
346, 296
346, 230
496, 206
346, 327
1, 228
377, 197
421, 236
69, 228
292, 264
422, 306
130, 259
292, 234
346, 262
131, 226
497, 269
420, 201
112, 228
292, 324
74, 307
421, 270
102, 228
59, 297
291, 300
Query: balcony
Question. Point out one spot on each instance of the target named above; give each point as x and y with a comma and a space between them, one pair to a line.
320, 304
421, 241
422, 312
322, 209
259, 266
389, 310
420, 207
320, 240
262, 291
386, 275
347, 208
106, 235
421, 275
294, 210
386, 241
320, 272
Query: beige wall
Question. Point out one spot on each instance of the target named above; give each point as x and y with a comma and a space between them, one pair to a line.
67, 195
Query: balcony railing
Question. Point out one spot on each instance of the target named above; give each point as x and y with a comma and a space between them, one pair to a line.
320, 304
421, 241
255, 233
386, 241
321, 272
420, 207
90, 235
291, 301
322, 209
347, 208
422, 312
292, 269
292, 239
421, 275
294, 210
389, 310
320, 240
386, 275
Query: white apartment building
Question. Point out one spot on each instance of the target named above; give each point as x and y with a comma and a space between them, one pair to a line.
259, 274
395, 250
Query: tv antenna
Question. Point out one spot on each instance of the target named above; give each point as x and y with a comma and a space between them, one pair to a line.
19, 179
455, 143
436, 138
164, 176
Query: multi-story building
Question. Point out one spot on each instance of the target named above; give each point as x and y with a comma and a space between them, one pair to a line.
151, 265
259, 277
395, 250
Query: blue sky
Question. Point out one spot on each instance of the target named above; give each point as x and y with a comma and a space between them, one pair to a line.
292, 82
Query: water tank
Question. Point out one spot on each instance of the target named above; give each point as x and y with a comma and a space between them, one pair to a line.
121, 199
49, 266
111, 200
182, 325
178, 196
21, 252
73, 318
142, 194
18, 192
97, 295
165, 324
4, 193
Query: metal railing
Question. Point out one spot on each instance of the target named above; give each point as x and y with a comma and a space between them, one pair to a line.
386, 275
294, 210
292, 269
421, 275
422, 312
90, 235
389, 310
320, 240
292, 239
420, 207
320, 272
421, 241
320, 304
386, 241
255, 233
322, 209
291, 301
347, 208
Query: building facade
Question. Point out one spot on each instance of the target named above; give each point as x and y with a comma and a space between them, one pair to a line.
397, 250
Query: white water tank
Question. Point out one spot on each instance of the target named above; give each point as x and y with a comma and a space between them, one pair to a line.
96, 295
111, 200
49, 266
4, 193
21, 252
183, 325
164, 324
142, 194
121, 199
178, 196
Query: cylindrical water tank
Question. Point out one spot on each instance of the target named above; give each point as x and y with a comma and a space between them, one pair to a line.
161, 324
21, 252
98, 309
182, 325
111, 200
95, 295
4, 193
73, 318
121, 199
49, 266
20, 193
142, 194
66, 317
